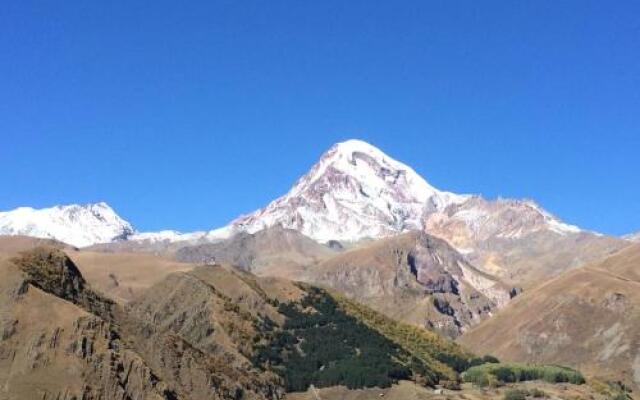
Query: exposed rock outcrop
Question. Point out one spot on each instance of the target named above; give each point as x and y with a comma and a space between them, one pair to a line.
416, 278
516, 240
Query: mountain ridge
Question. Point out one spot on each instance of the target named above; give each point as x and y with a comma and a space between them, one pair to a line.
207, 332
633, 237
355, 192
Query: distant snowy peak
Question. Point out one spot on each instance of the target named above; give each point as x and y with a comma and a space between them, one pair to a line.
633, 237
355, 191
169, 236
78, 225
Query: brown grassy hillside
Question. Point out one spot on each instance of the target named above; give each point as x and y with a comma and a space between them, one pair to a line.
587, 318
208, 332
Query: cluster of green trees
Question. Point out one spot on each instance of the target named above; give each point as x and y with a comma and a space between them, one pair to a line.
500, 373
445, 358
322, 345
327, 340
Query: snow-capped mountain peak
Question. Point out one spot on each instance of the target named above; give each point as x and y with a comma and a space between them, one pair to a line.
78, 225
374, 169
353, 192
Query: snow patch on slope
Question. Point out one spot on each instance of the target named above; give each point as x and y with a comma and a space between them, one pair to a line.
166, 236
553, 223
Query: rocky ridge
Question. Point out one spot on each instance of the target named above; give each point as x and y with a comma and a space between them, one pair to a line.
633, 237
202, 333
95, 349
416, 278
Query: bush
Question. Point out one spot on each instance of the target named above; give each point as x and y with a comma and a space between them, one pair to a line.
515, 394
505, 374
482, 360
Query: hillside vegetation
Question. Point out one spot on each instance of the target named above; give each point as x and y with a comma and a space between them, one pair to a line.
501, 373
328, 341
445, 356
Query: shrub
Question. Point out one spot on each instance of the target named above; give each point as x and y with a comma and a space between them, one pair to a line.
490, 360
505, 374
515, 394
482, 360
538, 394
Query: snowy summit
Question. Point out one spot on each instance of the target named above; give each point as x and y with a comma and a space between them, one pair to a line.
355, 191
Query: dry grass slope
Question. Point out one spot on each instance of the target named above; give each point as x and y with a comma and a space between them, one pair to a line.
588, 318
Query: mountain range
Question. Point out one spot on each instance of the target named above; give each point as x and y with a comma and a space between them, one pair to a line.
361, 245
344, 216
355, 193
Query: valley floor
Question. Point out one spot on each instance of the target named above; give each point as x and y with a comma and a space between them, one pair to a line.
406, 390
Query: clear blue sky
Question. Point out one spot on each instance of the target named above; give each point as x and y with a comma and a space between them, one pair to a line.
184, 115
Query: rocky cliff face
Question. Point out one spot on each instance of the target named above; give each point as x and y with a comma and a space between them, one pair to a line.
416, 278
52, 347
208, 325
